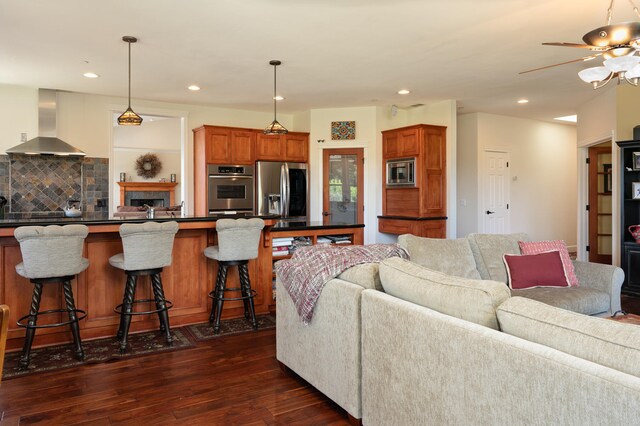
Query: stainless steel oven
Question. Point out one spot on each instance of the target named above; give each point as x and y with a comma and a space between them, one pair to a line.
230, 188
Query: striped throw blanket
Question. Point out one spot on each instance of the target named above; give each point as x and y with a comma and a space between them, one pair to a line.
310, 268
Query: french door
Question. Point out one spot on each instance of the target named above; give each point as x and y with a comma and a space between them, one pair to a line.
343, 186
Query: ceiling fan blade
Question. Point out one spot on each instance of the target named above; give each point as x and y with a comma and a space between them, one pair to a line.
586, 58
579, 45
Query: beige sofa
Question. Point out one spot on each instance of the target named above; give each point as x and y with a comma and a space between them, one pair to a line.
426, 360
327, 352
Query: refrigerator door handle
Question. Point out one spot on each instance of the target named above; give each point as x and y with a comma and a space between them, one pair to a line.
284, 176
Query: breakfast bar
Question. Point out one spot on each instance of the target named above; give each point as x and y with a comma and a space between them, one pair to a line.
187, 281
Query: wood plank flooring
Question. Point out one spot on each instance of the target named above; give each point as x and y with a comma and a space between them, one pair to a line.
231, 380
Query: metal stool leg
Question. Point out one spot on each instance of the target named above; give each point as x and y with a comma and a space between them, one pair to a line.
127, 307
163, 315
33, 318
246, 284
71, 309
212, 317
220, 297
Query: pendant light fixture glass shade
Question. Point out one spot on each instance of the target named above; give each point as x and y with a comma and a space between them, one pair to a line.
129, 118
275, 128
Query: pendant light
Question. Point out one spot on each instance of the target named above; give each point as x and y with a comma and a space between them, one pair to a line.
129, 118
275, 128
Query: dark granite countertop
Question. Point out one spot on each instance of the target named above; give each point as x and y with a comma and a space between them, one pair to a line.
105, 219
287, 225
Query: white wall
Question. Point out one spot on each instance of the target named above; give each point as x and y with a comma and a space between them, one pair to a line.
366, 137
468, 182
597, 118
543, 161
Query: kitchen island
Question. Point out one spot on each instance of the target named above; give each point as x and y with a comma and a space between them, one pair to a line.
100, 287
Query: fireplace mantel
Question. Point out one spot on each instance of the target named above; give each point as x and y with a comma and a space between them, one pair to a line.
169, 187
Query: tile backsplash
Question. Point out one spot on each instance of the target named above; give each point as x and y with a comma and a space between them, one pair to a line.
37, 184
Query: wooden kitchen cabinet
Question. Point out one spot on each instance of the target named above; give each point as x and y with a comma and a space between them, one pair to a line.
294, 146
407, 208
224, 145
401, 143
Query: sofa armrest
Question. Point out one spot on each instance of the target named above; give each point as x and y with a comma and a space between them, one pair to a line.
606, 278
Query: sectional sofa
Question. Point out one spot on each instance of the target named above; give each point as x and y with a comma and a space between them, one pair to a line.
335, 353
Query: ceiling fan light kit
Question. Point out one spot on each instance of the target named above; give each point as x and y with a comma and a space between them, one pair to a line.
618, 44
129, 117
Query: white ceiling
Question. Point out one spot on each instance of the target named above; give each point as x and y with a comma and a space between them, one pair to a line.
335, 53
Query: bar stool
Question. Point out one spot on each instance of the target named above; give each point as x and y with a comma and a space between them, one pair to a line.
147, 249
238, 241
51, 254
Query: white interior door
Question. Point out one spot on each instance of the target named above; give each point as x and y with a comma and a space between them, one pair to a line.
495, 193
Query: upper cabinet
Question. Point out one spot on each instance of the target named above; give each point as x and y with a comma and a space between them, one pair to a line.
401, 143
294, 146
224, 145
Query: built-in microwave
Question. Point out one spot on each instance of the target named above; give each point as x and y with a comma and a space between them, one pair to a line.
401, 172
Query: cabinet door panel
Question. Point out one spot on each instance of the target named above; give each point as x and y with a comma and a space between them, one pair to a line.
390, 145
297, 148
409, 143
242, 147
218, 146
269, 147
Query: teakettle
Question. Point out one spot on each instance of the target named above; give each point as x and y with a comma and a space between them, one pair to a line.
635, 232
71, 209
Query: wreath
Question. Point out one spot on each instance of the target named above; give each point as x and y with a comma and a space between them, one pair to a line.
148, 165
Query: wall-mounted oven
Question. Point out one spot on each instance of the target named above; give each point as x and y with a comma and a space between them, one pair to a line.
401, 172
230, 188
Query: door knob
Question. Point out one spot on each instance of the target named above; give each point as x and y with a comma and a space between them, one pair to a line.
490, 212
326, 213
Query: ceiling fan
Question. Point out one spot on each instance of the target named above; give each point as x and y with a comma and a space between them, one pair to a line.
619, 44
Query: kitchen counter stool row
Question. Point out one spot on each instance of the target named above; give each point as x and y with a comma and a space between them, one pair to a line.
53, 255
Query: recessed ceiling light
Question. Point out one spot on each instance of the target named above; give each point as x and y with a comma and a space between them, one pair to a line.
193, 88
570, 118
403, 92
278, 98
523, 101
90, 75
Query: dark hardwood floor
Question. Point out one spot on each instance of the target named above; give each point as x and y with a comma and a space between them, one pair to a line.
232, 380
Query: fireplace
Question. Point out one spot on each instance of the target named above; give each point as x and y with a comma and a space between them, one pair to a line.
156, 194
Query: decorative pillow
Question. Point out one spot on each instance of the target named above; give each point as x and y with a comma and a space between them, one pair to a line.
535, 270
533, 247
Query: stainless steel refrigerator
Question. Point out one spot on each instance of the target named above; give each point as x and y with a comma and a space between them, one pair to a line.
282, 188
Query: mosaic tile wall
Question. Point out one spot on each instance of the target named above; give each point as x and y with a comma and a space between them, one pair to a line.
43, 184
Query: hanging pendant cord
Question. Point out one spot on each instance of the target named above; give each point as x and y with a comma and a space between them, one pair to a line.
129, 43
275, 67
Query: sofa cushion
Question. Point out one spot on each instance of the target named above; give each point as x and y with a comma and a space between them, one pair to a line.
582, 300
535, 270
599, 340
453, 257
488, 250
471, 300
533, 247
365, 275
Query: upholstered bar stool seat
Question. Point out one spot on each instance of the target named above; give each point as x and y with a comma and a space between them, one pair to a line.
148, 248
238, 241
51, 255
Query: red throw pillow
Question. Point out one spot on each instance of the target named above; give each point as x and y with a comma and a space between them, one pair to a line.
535, 270
533, 247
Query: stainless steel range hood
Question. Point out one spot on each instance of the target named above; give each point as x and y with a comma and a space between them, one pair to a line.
47, 142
